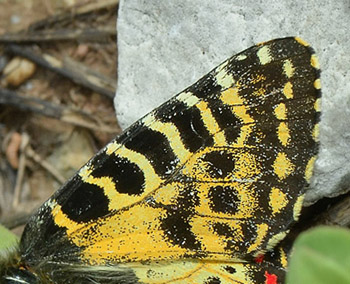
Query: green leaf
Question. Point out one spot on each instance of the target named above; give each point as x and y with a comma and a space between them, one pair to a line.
7, 239
321, 256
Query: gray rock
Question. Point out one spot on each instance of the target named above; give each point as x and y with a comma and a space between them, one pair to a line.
165, 46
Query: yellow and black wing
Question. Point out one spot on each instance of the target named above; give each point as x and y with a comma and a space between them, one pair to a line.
198, 188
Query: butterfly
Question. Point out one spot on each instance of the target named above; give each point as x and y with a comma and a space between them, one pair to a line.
200, 190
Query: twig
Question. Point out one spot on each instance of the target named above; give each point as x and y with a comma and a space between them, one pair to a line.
86, 35
79, 10
75, 117
46, 165
71, 69
8, 97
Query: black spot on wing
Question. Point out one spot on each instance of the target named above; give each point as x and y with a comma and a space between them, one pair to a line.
156, 148
86, 202
223, 199
219, 164
127, 176
213, 280
224, 230
189, 123
230, 269
225, 118
176, 225
178, 230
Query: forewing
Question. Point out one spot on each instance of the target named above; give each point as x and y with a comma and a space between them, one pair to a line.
218, 172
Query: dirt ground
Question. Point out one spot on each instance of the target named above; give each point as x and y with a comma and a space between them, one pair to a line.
39, 151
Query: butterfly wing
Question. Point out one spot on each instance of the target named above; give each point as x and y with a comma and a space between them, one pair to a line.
217, 173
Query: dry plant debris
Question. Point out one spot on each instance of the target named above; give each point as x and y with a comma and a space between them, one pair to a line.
58, 79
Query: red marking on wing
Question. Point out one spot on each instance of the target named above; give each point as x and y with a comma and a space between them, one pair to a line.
270, 278
259, 259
